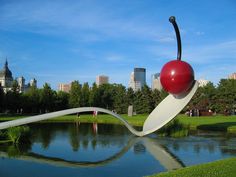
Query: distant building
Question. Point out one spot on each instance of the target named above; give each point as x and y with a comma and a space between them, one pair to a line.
137, 79
232, 76
156, 83
6, 80
33, 82
102, 80
21, 84
64, 87
203, 82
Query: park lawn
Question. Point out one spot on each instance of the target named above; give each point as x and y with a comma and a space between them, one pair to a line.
102, 118
214, 123
220, 168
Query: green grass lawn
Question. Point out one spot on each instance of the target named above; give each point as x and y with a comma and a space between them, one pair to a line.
221, 168
218, 123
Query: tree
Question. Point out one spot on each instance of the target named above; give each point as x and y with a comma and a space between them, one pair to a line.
62, 100
75, 94
31, 100
130, 96
47, 98
226, 95
138, 102
156, 97
94, 96
84, 101
120, 99
12, 98
147, 101
204, 98
105, 96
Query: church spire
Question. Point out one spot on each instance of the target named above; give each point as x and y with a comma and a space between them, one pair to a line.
6, 63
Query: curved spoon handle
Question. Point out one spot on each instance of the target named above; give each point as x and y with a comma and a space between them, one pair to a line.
47, 116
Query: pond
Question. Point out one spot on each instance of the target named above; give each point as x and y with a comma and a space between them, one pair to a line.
74, 149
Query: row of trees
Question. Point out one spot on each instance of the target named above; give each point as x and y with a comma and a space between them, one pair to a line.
113, 97
220, 99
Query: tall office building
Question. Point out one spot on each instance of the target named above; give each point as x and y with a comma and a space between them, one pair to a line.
232, 76
64, 87
156, 83
101, 79
137, 79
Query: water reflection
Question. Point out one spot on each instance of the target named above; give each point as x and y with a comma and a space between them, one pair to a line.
140, 144
106, 146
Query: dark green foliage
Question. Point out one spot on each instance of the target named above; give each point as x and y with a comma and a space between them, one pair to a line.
94, 96
62, 100
226, 96
31, 99
85, 95
221, 99
120, 99
75, 94
143, 101
130, 96
47, 97
204, 98
105, 93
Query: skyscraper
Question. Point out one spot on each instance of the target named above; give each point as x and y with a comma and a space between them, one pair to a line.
156, 83
101, 79
137, 79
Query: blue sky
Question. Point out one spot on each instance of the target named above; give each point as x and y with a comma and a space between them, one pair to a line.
64, 40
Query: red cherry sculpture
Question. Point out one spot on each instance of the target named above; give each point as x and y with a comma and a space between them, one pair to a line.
177, 76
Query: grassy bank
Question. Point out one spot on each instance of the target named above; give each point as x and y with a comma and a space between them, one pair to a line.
215, 123
221, 168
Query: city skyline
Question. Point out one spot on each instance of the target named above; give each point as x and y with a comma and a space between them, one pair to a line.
91, 37
101, 79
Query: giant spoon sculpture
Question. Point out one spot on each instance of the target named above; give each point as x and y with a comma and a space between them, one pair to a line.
177, 78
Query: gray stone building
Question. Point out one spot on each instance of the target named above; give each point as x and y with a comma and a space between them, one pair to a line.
6, 80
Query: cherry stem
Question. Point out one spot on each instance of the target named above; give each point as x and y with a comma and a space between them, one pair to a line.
172, 20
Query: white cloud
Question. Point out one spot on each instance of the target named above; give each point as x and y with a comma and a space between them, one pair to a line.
85, 19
